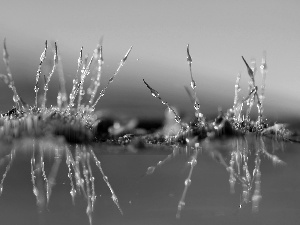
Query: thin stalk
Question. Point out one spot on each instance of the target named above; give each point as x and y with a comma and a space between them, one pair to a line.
156, 95
193, 86
62, 93
122, 63
9, 80
49, 77
263, 69
38, 74
75, 82
237, 89
84, 73
96, 82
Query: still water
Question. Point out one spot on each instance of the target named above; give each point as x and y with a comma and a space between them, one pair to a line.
153, 198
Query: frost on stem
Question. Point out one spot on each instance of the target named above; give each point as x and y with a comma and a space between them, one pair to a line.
76, 83
156, 95
62, 93
252, 92
47, 79
96, 81
263, 70
85, 71
122, 63
193, 86
250, 71
237, 107
38, 74
7, 78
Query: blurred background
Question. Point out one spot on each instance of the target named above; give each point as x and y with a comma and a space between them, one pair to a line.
219, 33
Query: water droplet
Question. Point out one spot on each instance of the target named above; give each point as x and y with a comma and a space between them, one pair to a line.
187, 182
193, 162
15, 98
150, 170
232, 181
197, 106
193, 84
35, 191
189, 58
253, 66
154, 93
105, 178
73, 193
177, 119
93, 198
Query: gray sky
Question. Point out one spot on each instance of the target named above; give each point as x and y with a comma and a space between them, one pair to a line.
219, 33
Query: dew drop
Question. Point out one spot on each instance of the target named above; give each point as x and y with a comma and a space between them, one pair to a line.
105, 178
197, 106
177, 119
187, 182
150, 170
15, 98
193, 162
35, 191
154, 93
73, 193
193, 84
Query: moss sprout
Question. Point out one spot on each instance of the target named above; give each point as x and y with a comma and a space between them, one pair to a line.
71, 128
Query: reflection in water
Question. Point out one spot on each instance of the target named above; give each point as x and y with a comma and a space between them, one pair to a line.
8, 158
241, 157
239, 169
78, 161
236, 161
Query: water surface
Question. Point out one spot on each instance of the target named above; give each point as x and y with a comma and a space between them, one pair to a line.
153, 199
